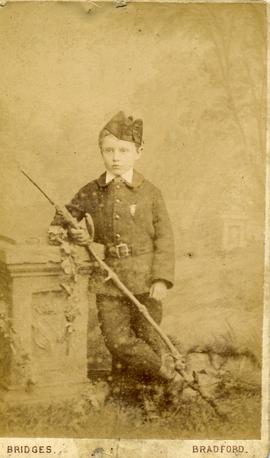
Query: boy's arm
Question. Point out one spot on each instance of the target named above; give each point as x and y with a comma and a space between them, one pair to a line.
77, 209
164, 255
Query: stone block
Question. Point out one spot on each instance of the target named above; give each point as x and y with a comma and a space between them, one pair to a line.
43, 330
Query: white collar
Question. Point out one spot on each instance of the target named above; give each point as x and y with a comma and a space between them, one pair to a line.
128, 176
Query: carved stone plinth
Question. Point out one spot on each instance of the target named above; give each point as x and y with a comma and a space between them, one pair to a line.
43, 324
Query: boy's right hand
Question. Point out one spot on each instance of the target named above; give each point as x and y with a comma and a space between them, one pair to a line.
79, 236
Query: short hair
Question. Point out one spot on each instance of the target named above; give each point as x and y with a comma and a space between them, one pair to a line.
105, 132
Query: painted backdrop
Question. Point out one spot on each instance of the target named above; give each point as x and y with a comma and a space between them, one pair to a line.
196, 74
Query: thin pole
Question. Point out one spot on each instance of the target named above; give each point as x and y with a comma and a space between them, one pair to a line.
114, 277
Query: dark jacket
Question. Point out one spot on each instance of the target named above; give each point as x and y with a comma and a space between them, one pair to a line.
133, 214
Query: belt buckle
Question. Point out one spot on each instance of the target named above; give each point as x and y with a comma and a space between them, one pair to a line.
122, 250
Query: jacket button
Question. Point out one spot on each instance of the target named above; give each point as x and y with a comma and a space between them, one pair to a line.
117, 186
117, 200
117, 216
117, 236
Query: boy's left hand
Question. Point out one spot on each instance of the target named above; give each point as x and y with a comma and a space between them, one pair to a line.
158, 290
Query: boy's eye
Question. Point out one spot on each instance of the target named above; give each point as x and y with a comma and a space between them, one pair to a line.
108, 150
123, 150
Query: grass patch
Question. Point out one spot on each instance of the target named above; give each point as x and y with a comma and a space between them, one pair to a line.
80, 417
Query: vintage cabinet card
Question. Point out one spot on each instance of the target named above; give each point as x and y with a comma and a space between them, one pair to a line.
150, 120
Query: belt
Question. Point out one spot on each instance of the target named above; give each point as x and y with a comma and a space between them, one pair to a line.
123, 250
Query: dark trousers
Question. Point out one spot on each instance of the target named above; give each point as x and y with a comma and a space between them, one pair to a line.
133, 343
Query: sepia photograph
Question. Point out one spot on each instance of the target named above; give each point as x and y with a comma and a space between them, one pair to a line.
133, 231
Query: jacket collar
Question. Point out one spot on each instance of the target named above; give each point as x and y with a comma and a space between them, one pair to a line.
137, 180
127, 176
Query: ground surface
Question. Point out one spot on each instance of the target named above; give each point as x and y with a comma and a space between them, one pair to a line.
90, 415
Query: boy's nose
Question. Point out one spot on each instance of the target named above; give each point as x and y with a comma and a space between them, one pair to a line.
116, 155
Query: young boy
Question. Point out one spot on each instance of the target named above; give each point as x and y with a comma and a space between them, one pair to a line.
131, 221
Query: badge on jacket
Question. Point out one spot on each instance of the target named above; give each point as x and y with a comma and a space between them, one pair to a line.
132, 209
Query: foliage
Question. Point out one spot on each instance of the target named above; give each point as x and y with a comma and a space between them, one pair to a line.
11, 345
85, 416
69, 265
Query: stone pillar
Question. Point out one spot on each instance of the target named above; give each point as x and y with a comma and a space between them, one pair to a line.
43, 331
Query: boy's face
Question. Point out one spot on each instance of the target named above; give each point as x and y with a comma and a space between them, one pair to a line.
119, 156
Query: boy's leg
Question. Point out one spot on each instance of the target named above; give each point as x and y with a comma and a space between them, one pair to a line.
142, 328
167, 379
114, 314
151, 388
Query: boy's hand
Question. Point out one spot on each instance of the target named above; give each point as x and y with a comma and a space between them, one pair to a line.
158, 290
79, 236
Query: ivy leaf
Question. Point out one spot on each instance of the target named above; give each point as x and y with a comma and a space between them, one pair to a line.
67, 267
66, 247
66, 288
